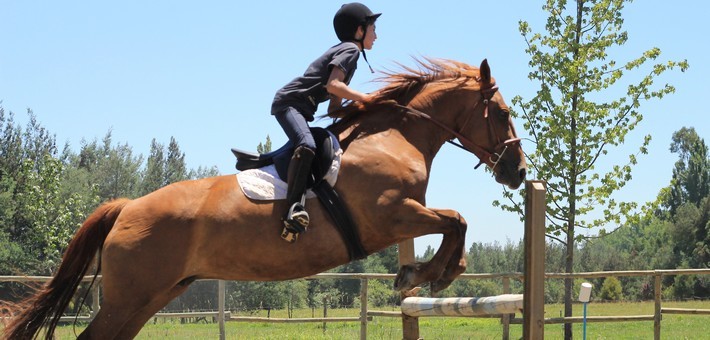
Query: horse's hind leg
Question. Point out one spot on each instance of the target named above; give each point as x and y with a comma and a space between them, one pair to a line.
136, 323
419, 220
107, 323
122, 317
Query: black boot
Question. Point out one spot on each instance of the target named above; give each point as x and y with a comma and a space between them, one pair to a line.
299, 171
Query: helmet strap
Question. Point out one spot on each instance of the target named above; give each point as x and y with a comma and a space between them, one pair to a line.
362, 44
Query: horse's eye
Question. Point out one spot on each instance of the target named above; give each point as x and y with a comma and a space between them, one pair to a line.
505, 114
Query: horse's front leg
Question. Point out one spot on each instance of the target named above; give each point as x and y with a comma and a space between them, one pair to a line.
418, 220
455, 267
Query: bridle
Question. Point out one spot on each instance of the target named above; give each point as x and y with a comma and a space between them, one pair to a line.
490, 158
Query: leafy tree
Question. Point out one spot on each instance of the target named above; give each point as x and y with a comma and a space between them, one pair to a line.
203, 172
247, 295
31, 204
175, 168
350, 289
11, 254
702, 236
266, 147
119, 173
11, 153
570, 129
428, 254
691, 174
48, 219
154, 172
113, 169
389, 258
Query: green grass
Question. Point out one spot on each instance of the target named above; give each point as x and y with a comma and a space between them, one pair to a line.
672, 327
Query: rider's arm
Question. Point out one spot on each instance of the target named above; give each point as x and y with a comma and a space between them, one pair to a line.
335, 103
337, 87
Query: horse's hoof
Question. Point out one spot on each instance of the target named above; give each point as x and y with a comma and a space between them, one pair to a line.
405, 278
412, 292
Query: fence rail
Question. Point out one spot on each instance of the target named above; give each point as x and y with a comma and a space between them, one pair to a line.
366, 314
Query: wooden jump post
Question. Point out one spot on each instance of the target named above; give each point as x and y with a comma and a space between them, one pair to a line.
534, 275
531, 302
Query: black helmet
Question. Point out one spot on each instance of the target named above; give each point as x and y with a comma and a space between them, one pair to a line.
351, 16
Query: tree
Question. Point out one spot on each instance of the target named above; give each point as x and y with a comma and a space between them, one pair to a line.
154, 172
38, 213
11, 153
175, 169
691, 174
266, 147
48, 219
117, 174
114, 170
570, 129
203, 172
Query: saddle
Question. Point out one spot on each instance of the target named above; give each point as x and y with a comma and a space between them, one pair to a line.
327, 146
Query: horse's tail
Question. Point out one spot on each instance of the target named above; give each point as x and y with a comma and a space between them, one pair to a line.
46, 306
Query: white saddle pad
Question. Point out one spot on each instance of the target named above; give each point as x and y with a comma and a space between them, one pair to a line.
264, 183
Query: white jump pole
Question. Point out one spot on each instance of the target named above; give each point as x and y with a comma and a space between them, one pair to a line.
463, 306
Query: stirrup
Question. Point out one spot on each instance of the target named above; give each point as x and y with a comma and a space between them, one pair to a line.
295, 222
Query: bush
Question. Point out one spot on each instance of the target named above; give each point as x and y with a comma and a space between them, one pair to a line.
611, 289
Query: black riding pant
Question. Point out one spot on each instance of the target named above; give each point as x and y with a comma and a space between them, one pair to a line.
296, 128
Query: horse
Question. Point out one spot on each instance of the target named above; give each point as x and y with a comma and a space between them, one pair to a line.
151, 248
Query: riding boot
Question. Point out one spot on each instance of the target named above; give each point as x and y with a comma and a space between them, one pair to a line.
296, 219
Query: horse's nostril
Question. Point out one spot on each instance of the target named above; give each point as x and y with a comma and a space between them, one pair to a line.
523, 172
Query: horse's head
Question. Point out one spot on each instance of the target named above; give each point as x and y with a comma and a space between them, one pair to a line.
467, 105
488, 132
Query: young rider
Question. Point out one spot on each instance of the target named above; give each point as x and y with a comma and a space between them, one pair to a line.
326, 78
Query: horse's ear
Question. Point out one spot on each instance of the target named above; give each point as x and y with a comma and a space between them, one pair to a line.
485, 71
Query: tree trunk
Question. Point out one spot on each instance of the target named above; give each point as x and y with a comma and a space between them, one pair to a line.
569, 259
569, 268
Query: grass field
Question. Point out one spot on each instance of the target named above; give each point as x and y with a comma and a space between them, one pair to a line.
672, 327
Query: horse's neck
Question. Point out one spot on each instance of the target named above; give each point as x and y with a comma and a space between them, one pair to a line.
423, 133
399, 133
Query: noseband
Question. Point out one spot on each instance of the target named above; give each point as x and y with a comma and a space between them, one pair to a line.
490, 158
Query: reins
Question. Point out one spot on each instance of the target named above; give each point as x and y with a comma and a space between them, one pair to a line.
490, 158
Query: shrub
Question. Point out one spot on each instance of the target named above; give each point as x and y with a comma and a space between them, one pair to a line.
611, 289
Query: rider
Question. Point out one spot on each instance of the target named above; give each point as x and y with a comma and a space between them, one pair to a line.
326, 78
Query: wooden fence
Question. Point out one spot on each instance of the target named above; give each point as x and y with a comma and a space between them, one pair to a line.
366, 314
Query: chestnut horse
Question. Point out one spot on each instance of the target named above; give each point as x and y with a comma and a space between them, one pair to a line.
151, 248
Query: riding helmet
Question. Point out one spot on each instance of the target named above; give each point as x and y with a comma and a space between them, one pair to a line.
351, 16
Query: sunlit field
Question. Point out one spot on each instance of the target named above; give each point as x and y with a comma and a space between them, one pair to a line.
672, 326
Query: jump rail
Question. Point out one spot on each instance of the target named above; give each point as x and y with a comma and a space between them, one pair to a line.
463, 306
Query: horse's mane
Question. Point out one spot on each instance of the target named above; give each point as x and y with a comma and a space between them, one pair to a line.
401, 87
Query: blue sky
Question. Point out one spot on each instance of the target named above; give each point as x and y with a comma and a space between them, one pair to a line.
205, 72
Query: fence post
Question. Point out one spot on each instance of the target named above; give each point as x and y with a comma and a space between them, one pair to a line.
506, 317
657, 310
95, 300
326, 300
363, 308
410, 324
220, 305
534, 281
